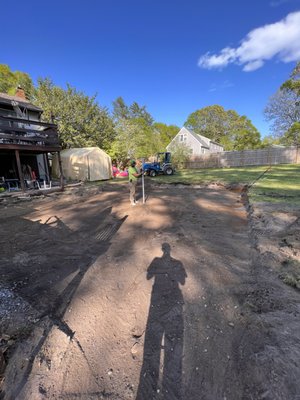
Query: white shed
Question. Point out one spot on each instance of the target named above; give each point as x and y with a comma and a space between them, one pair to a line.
84, 164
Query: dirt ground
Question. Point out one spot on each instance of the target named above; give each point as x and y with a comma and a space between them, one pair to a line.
179, 299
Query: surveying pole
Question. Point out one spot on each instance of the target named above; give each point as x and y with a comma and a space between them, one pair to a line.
143, 181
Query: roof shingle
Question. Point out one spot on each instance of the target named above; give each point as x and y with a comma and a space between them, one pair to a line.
7, 99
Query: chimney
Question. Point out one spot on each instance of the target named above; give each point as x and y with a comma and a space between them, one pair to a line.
20, 93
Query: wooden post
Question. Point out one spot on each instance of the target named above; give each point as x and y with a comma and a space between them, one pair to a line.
47, 169
60, 171
143, 181
20, 172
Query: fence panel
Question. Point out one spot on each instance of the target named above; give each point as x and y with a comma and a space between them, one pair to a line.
269, 156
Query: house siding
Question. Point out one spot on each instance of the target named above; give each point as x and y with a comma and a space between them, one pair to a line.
184, 136
215, 147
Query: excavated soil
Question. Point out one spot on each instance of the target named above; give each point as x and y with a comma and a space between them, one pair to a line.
182, 298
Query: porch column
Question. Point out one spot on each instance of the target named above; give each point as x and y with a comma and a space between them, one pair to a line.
60, 171
47, 169
20, 172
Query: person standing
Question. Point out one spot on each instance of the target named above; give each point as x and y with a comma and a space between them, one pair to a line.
133, 176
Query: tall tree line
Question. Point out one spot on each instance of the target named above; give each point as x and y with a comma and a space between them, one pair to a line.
228, 128
129, 130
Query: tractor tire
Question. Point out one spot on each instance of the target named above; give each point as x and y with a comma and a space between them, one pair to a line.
168, 171
152, 173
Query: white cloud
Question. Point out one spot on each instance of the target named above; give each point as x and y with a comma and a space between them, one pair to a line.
213, 88
280, 40
252, 66
224, 85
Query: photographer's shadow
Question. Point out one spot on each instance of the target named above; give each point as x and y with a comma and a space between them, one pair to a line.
161, 373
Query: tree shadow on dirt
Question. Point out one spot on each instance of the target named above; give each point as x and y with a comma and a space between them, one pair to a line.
161, 373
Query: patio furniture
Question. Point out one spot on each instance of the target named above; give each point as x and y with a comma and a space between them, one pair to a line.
12, 184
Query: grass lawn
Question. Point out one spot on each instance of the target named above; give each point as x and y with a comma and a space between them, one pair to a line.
280, 184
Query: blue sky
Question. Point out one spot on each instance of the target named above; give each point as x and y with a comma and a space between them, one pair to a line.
174, 56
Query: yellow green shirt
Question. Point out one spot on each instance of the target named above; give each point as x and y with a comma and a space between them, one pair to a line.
131, 171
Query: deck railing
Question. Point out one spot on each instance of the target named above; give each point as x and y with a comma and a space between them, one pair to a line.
21, 133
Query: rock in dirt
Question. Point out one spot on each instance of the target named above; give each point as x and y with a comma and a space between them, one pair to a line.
136, 350
137, 331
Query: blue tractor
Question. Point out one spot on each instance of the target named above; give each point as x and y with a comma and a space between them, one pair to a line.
162, 165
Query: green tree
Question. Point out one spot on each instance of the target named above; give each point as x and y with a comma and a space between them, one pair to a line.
292, 135
134, 111
180, 154
134, 130
244, 135
211, 122
140, 112
165, 133
120, 109
81, 121
267, 141
293, 83
134, 139
9, 81
228, 128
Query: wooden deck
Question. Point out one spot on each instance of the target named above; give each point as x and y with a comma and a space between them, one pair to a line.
28, 135
25, 134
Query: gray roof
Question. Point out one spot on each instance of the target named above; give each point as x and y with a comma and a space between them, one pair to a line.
7, 99
216, 143
197, 137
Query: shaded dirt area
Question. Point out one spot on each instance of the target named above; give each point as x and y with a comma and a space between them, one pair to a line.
177, 299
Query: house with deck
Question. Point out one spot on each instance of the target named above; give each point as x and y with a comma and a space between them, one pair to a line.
25, 144
197, 144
